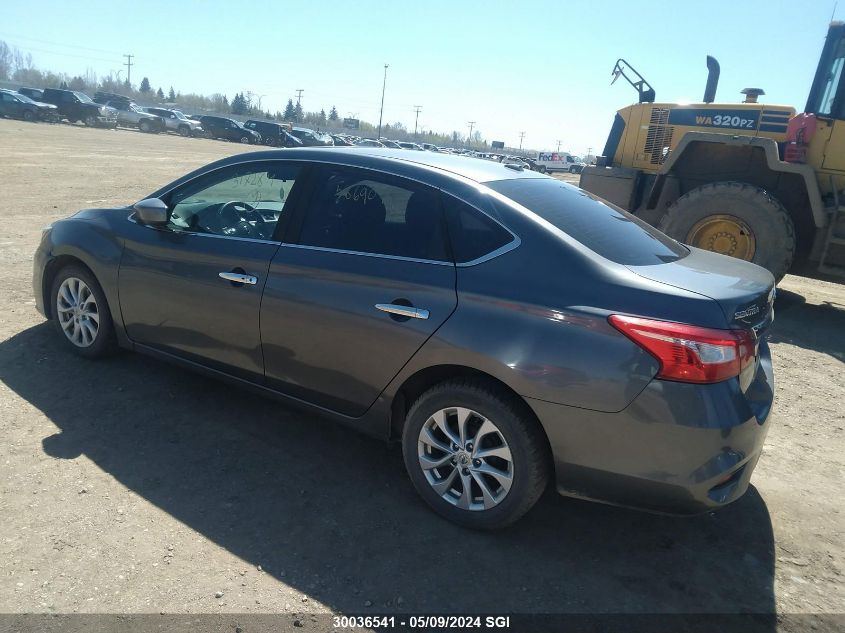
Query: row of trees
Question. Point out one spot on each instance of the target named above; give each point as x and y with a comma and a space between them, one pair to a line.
19, 68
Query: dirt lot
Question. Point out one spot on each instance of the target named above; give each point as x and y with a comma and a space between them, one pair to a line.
132, 486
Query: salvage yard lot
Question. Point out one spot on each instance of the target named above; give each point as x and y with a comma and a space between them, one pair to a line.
133, 486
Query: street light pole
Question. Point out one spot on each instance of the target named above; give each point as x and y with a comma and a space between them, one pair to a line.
381, 110
469, 138
521, 136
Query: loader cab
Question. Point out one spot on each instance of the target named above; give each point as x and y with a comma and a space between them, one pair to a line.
827, 102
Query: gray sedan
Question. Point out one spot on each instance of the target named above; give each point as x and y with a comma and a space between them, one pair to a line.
510, 330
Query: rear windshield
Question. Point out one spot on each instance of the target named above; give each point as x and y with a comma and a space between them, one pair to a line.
603, 228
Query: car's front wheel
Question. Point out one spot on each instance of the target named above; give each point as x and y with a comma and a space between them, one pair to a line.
81, 314
474, 454
28, 115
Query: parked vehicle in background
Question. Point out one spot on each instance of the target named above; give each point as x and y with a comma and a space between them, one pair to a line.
386, 142
36, 94
78, 106
411, 299
229, 130
18, 106
559, 161
514, 160
130, 114
532, 164
368, 142
409, 145
176, 121
312, 138
430, 147
273, 134
342, 141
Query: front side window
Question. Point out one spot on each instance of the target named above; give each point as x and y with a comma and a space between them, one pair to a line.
368, 212
244, 201
834, 80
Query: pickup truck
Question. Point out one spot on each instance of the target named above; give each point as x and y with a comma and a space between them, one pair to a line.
78, 106
130, 114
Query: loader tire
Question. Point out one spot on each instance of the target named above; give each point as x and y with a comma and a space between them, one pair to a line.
736, 219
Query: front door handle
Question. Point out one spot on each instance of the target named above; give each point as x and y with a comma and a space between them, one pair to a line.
404, 311
239, 278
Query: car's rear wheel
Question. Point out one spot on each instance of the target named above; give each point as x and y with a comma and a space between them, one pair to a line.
28, 115
144, 126
474, 454
184, 130
81, 313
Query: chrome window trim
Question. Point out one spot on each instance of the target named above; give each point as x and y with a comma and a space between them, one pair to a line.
481, 187
131, 218
340, 251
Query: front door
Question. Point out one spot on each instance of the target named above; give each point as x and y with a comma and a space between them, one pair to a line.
367, 282
193, 287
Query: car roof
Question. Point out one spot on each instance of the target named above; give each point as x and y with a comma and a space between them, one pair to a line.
400, 160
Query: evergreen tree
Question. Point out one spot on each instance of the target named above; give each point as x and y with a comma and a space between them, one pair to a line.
160, 93
290, 111
322, 117
333, 114
172, 95
239, 104
298, 115
145, 85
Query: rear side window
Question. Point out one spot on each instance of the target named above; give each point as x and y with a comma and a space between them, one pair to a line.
472, 234
603, 228
369, 212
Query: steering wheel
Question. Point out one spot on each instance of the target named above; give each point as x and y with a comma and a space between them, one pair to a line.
236, 215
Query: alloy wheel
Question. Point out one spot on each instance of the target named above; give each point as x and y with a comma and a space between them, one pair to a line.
465, 458
77, 311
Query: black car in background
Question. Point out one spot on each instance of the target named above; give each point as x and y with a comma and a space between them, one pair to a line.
36, 94
273, 134
78, 106
227, 129
418, 297
20, 106
312, 138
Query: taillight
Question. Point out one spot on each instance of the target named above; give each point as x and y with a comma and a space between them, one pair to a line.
688, 353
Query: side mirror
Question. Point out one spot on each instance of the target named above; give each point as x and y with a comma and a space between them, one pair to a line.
151, 211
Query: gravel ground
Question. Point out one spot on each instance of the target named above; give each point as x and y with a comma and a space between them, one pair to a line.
130, 486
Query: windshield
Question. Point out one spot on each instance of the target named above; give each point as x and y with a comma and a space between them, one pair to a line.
179, 115
603, 228
83, 97
23, 98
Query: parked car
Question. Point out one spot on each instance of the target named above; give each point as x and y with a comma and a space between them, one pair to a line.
36, 94
18, 106
78, 106
343, 141
431, 148
409, 145
312, 138
175, 121
388, 143
223, 128
130, 114
412, 300
273, 134
368, 142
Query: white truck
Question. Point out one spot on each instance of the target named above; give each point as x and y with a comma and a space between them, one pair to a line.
559, 161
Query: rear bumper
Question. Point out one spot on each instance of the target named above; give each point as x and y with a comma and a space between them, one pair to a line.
677, 448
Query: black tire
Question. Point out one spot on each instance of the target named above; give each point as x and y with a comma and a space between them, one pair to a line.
184, 130
28, 115
246, 140
105, 342
144, 126
770, 223
528, 446
91, 120
571, 170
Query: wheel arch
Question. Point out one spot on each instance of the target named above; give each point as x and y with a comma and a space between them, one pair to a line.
424, 379
706, 158
53, 267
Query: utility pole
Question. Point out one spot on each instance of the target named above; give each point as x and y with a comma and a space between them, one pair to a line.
558, 145
299, 92
471, 125
128, 64
381, 110
589, 151
416, 119
521, 136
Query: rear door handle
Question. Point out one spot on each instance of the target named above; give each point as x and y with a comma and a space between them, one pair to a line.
239, 278
405, 311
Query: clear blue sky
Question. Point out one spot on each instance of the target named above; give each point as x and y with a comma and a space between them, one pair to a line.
542, 67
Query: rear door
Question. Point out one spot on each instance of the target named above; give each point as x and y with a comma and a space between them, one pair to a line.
366, 281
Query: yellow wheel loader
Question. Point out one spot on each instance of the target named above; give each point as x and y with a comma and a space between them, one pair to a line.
751, 180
